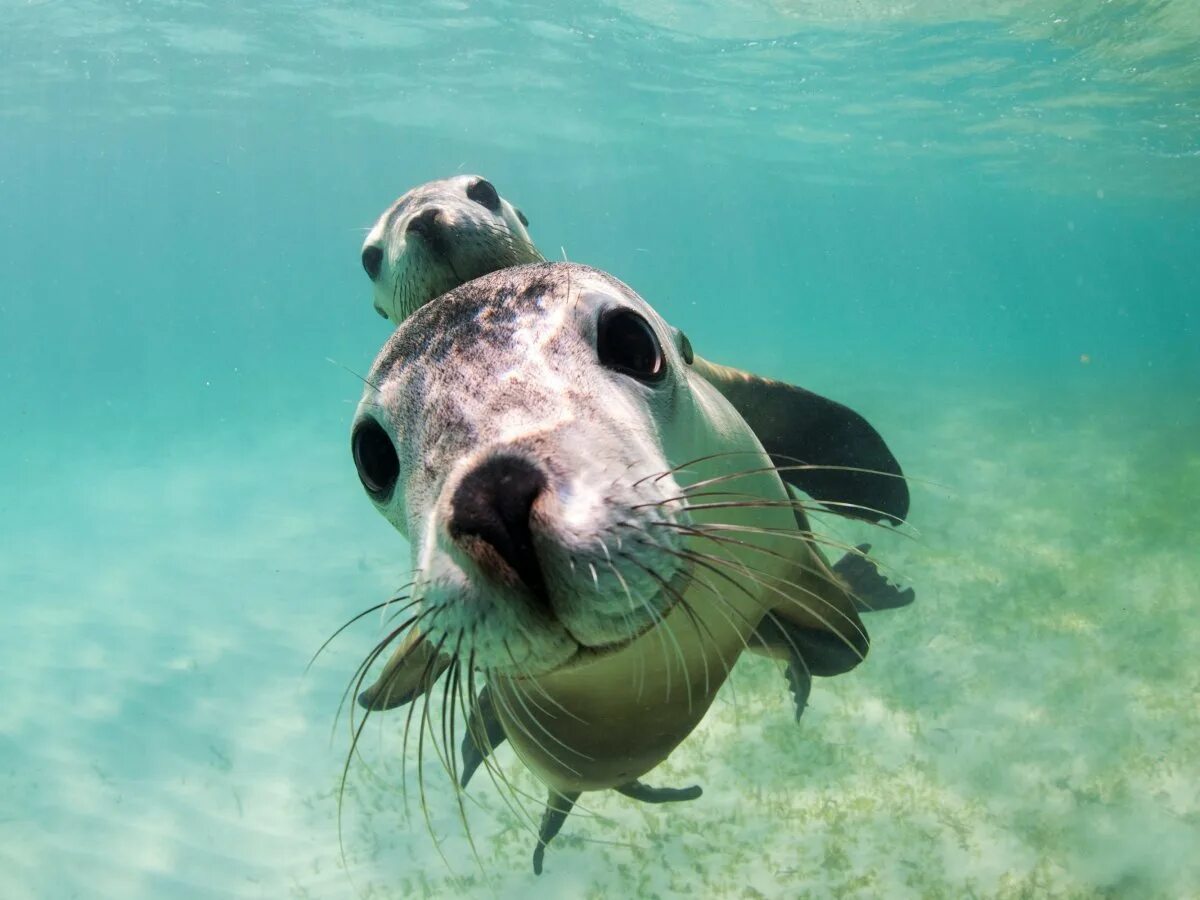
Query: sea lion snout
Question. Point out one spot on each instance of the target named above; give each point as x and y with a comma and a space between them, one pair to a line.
489, 519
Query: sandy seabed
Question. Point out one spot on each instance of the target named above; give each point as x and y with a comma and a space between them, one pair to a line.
1027, 729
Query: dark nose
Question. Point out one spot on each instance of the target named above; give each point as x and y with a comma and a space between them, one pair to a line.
424, 223
493, 504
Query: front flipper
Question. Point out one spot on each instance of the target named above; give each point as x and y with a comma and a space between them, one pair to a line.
647, 794
558, 807
412, 670
484, 734
798, 426
870, 590
806, 651
799, 683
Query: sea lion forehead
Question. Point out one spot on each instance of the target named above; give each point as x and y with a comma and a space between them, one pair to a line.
489, 311
427, 192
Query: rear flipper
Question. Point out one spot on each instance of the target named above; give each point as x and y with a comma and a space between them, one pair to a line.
484, 734
870, 590
558, 807
647, 794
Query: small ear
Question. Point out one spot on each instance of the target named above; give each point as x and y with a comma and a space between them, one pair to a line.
412, 670
683, 345
797, 428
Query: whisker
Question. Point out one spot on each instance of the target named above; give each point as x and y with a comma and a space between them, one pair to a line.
361, 378
348, 623
808, 537
748, 572
425, 672
678, 597
661, 626
356, 735
799, 504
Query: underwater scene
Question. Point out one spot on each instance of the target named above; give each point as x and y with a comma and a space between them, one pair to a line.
617, 373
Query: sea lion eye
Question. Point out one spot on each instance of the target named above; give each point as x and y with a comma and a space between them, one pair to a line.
626, 343
521, 216
484, 193
375, 458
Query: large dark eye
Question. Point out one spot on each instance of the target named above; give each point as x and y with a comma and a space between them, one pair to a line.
524, 220
375, 458
626, 343
483, 193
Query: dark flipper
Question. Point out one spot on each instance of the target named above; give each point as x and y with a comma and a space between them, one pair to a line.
484, 734
871, 590
796, 426
558, 806
808, 652
800, 683
414, 668
647, 794
823, 653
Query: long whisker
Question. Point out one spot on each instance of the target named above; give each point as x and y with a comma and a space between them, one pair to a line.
787, 504
807, 537
670, 632
513, 683
801, 466
828, 578
366, 612
356, 735
356, 680
449, 692
658, 630
504, 787
361, 378
412, 706
679, 598
421, 728
766, 613
749, 573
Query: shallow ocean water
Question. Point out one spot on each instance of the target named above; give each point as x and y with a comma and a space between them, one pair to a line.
979, 226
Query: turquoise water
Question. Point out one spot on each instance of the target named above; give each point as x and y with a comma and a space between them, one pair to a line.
978, 226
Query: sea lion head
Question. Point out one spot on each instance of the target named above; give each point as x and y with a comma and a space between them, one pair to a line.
440, 235
526, 432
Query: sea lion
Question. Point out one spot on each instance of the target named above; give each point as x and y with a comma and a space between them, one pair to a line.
437, 236
596, 531
444, 233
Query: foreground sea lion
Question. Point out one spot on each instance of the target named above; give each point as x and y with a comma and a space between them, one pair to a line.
442, 234
597, 533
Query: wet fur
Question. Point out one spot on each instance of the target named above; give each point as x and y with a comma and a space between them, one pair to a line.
656, 588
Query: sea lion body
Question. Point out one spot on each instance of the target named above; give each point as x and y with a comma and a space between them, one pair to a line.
545, 490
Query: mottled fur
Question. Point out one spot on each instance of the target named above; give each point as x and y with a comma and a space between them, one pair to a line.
507, 365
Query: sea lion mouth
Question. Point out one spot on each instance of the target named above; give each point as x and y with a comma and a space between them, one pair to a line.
673, 590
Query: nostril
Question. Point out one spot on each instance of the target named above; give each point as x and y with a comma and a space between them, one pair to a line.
372, 260
424, 223
493, 503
